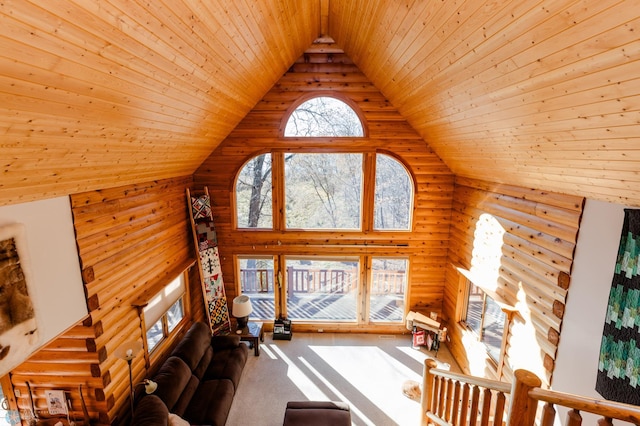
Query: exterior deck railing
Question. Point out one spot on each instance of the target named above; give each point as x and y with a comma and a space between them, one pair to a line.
256, 280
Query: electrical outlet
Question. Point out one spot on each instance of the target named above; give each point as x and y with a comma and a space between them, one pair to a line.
320, 330
16, 392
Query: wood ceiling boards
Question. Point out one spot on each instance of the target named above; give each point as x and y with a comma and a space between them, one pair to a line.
541, 94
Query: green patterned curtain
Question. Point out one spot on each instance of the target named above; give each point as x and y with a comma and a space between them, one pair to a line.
619, 363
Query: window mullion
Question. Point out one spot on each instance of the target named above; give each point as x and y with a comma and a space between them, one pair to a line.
277, 189
368, 191
482, 317
363, 288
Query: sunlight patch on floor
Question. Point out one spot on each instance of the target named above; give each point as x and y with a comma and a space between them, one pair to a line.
382, 386
300, 379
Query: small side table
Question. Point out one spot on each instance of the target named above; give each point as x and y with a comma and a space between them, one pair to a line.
251, 333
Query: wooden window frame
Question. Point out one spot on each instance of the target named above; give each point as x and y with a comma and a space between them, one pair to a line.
143, 300
367, 207
466, 279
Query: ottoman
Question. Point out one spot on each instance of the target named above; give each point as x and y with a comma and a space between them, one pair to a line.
317, 413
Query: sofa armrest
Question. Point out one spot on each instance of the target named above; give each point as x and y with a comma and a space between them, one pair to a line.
225, 342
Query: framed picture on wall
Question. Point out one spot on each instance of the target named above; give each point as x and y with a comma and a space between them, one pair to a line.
19, 334
56, 402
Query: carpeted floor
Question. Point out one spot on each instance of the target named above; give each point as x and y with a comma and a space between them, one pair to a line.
367, 371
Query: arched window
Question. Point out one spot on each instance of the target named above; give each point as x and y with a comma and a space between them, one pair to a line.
324, 116
324, 191
393, 200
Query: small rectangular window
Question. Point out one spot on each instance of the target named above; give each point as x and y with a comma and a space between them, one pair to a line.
388, 289
257, 281
164, 312
486, 319
154, 335
175, 315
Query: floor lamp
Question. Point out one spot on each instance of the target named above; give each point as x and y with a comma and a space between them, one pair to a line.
128, 352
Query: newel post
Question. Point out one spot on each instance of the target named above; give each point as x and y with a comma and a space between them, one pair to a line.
522, 408
427, 390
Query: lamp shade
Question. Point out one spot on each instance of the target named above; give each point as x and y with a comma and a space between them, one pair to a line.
150, 386
241, 306
128, 350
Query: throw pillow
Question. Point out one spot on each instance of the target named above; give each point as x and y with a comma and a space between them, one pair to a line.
176, 420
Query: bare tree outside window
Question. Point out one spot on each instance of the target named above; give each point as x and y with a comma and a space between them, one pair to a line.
393, 195
323, 191
253, 194
322, 117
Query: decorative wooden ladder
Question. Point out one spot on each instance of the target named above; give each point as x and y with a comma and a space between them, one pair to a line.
206, 244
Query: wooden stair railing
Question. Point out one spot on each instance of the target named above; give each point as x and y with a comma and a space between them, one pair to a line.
459, 400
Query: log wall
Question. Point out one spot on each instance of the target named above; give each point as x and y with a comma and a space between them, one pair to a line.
326, 70
535, 258
130, 239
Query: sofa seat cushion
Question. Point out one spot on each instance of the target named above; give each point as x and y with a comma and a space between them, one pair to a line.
228, 364
211, 403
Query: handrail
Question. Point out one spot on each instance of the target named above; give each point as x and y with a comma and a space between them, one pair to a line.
615, 410
473, 380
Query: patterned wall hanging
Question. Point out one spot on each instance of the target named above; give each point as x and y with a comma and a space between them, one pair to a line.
204, 237
619, 362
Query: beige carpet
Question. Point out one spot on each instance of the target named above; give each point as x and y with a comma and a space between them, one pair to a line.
367, 371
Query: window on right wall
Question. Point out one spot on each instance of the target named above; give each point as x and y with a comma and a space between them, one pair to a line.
485, 318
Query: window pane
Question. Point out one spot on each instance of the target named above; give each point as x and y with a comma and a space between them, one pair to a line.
474, 308
154, 335
162, 301
493, 328
323, 116
323, 191
393, 195
253, 194
256, 281
388, 285
175, 315
322, 290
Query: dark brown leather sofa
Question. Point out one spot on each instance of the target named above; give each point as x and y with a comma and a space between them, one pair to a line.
197, 382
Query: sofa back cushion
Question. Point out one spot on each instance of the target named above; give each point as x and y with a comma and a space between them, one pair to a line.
172, 379
194, 345
204, 363
150, 411
185, 398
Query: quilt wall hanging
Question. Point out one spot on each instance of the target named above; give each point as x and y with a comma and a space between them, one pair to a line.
204, 235
619, 362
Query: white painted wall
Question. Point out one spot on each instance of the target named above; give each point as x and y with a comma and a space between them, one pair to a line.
53, 270
595, 257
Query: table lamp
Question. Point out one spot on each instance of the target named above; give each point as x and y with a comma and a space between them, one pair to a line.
241, 311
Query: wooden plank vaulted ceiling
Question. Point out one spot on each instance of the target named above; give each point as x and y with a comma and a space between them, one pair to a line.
536, 93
